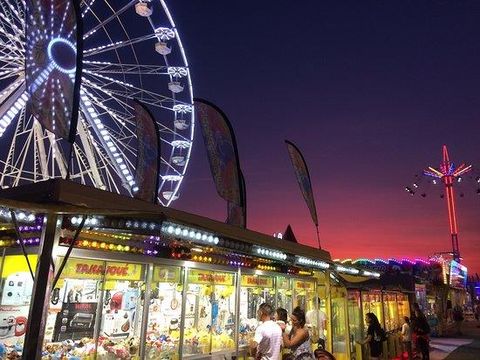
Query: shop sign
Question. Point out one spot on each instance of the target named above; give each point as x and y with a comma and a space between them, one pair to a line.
166, 274
283, 282
208, 277
93, 269
303, 285
13, 264
257, 281
458, 275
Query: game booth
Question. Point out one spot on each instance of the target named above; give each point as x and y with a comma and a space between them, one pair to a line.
111, 277
388, 297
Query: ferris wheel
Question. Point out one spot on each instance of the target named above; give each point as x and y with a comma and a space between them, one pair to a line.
131, 49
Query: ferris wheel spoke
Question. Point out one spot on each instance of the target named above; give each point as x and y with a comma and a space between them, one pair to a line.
12, 106
116, 45
99, 67
105, 22
57, 154
148, 97
87, 6
104, 137
89, 154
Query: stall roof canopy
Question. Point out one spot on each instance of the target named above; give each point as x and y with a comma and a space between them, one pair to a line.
401, 282
59, 196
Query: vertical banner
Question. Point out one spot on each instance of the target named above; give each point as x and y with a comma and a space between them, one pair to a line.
222, 151
303, 179
53, 58
237, 215
148, 154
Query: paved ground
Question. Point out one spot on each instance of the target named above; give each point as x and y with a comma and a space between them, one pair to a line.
453, 347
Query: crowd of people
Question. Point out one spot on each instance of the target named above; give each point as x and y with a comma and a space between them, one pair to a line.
284, 337
278, 338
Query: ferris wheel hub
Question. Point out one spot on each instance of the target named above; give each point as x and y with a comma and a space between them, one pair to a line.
63, 55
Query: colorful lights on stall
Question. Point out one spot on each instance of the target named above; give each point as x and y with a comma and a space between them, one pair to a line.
269, 253
311, 262
188, 233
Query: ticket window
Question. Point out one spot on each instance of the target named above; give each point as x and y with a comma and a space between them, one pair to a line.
284, 293
209, 312
164, 313
15, 295
254, 291
338, 301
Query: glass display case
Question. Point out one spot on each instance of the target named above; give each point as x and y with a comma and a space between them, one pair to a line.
304, 294
254, 290
164, 314
15, 294
372, 302
390, 311
284, 293
403, 307
338, 304
355, 320
209, 312
95, 311
316, 309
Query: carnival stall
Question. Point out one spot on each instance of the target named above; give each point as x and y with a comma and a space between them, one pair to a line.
119, 278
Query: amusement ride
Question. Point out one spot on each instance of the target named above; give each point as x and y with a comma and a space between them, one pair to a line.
131, 49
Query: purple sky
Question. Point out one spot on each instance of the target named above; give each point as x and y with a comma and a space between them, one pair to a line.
369, 91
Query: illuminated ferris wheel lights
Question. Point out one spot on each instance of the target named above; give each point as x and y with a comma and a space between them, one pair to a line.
164, 33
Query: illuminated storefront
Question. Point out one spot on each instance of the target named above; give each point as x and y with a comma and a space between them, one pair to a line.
145, 282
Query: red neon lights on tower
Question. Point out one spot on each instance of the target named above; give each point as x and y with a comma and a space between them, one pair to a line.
447, 173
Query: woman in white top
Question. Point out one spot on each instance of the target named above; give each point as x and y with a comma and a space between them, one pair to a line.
407, 337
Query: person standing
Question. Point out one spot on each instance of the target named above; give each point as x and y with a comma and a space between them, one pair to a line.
422, 331
407, 337
477, 312
375, 336
298, 340
316, 323
458, 318
268, 335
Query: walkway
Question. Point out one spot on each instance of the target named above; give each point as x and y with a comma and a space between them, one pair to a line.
464, 347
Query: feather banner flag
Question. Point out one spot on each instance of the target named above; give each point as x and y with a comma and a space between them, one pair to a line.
237, 215
303, 179
53, 59
148, 155
222, 152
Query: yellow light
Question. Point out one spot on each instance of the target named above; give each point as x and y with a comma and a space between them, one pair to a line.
111, 246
